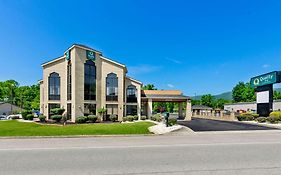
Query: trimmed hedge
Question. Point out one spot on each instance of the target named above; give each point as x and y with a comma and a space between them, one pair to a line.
274, 117
25, 113
81, 119
156, 117
247, 116
57, 118
57, 111
42, 118
261, 119
113, 117
30, 117
136, 117
130, 118
172, 121
143, 117
92, 118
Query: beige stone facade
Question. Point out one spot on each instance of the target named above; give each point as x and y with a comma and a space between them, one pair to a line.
65, 80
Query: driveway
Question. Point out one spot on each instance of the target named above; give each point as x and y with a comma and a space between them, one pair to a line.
197, 124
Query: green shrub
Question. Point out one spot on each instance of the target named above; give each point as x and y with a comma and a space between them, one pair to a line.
247, 116
57, 111
172, 121
275, 114
82, 119
130, 118
261, 119
125, 119
25, 113
113, 117
273, 119
143, 117
42, 118
136, 117
156, 117
30, 116
57, 118
92, 118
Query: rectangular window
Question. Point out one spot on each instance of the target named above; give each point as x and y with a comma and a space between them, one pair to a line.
69, 89
131, 110
89, 81
89, 109
69, 111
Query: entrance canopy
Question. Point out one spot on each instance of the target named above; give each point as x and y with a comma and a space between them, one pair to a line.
150, 96
163, 96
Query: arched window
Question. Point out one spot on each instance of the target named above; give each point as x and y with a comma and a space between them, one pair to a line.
111, 87
54, 86
89, 80
131, 94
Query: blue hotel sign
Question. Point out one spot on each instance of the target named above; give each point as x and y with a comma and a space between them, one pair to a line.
67, 55
91, 55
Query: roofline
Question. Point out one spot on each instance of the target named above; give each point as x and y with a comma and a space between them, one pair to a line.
52, 61
132, 79
81, 47
114, 62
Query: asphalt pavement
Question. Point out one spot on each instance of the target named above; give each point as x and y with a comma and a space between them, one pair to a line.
216, 153
198, 124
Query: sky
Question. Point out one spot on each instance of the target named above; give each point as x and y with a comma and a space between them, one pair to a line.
198, 46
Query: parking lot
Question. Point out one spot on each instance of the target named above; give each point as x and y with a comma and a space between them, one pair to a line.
199, 125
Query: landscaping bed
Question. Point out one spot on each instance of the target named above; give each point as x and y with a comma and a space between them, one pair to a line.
15, 128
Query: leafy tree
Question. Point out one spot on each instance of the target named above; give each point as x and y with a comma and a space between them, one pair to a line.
26, 97
219, 103
207, 100
243, 92
195, 102
276, 95
149, 87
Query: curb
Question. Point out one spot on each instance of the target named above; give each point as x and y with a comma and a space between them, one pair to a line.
76, 136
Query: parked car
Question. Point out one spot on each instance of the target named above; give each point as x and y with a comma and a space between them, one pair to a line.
3, 117
16, 116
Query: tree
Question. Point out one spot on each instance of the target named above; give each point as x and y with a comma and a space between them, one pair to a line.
207, 100
195, 102
243, 92
149, 87
26, 97
219, 103
276, 95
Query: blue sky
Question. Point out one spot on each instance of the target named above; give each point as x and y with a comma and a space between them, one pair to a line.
195, 46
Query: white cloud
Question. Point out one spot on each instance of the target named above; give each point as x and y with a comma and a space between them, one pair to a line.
143, 69
174, 60
170, 85
265, 66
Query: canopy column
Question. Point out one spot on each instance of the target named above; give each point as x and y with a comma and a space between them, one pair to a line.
188, 113
149, 108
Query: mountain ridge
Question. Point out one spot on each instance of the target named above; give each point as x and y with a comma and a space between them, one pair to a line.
224, 95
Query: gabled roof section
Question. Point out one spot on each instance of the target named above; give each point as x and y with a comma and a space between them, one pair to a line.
161, 92
134, 80
53, 60
81, 46
114, 62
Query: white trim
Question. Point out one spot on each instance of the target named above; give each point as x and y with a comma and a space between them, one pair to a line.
52, 61
81, 47
114, 62
136, 81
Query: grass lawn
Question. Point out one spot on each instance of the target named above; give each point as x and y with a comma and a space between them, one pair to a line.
15, 128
